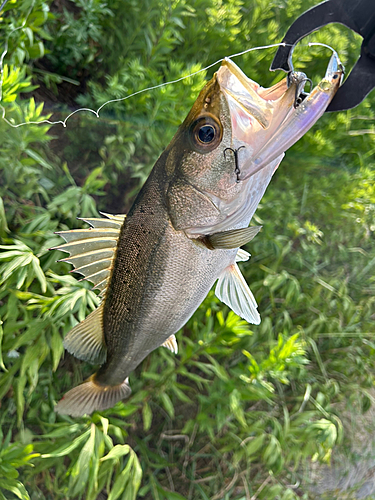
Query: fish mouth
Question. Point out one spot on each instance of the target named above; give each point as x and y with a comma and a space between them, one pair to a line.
269, 121
248, 94
256, 112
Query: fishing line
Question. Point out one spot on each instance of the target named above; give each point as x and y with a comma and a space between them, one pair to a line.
3, 5
310, 44
96, 113
120, 99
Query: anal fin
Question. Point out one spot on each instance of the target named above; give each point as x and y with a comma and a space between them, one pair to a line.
171, 344
86, 340
233, 290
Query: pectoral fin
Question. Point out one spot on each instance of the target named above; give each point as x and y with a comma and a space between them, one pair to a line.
234, 238
171, 344
233, 290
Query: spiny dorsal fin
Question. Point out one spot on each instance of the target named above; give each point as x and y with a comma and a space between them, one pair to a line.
232, 289
92, 250
86, 340
97, 223
118, 217
171, 344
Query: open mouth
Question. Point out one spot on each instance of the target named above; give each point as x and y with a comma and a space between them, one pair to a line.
266, 122
256, 112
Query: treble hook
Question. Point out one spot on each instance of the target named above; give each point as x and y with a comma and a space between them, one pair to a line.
295, 77
237, 169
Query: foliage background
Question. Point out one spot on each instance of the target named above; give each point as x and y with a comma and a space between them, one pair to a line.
242, 411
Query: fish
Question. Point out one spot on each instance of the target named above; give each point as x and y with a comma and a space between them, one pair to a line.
185, 229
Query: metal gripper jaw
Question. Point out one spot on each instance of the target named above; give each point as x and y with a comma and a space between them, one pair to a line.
359, 16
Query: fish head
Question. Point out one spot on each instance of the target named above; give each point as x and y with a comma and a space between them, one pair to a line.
232, 112
213, 182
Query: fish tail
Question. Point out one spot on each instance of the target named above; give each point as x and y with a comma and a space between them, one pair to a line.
91, 396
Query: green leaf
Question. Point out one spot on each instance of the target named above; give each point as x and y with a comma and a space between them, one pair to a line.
80, 471
2, 366
57, 348
19, 387
167, 403
180, 394
3, 221
16, 487
128, 481
65, 449
39, 274
117, 452
235, 406
170, 495
255, 444
147, 416
63, 429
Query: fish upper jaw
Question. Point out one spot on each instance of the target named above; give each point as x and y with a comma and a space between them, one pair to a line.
256, 112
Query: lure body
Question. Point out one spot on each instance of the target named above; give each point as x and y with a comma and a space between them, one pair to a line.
156, 265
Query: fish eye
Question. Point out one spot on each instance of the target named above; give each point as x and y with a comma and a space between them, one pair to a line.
206, 133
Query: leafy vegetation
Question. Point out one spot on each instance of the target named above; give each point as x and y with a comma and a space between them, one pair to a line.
243, 409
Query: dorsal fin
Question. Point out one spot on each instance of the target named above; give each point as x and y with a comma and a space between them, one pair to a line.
86, 340
96, 222
92, 250
118, 217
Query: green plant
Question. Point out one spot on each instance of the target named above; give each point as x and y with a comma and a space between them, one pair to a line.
242, 409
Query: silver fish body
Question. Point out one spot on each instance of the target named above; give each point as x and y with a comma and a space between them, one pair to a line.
184, 229
155, 286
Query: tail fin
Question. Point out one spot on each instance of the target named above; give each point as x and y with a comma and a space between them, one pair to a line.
92, 396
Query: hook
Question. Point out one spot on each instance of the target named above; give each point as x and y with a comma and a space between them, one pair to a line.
235, 152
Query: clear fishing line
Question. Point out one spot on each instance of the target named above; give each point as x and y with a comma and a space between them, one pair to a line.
120, 99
